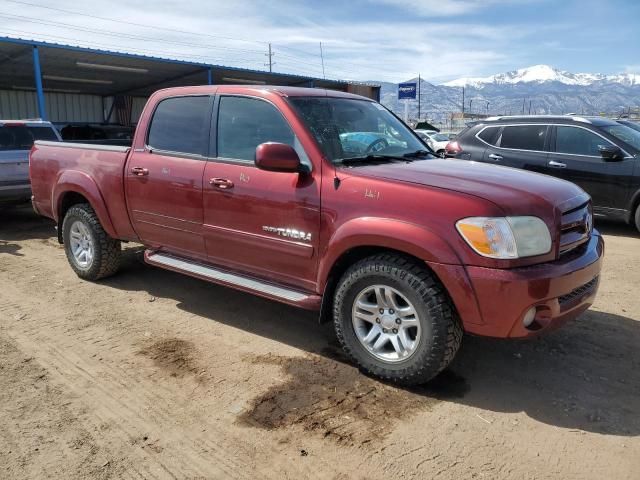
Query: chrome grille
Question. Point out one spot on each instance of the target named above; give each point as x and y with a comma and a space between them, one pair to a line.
576, 227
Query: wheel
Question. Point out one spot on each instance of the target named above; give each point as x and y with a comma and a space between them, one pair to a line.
441, 154
637, 218
394, 319
91, 252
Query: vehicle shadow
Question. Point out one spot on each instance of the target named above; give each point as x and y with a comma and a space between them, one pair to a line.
585, 376
22, 223
616, 229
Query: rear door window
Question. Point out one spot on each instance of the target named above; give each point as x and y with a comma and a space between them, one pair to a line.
578, 141
489, 135
524, 137
181, 125
22, 137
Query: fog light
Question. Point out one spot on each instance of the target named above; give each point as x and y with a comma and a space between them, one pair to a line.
529, 317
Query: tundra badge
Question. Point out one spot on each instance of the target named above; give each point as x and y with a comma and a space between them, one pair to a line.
288, 232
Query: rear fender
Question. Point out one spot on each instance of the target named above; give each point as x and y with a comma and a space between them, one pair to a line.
80, 182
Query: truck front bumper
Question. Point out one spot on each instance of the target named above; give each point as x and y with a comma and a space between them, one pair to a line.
495, 302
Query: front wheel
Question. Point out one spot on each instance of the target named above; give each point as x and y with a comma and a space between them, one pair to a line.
395, 321
91, 252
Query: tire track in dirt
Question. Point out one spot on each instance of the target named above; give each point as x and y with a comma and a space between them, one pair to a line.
42, 336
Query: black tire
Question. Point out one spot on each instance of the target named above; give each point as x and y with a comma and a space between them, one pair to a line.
637, 218
442, 332
106, 250
441, 154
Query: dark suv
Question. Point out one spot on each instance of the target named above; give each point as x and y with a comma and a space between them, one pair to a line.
599, 155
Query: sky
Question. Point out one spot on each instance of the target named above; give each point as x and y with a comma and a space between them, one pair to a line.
377, 40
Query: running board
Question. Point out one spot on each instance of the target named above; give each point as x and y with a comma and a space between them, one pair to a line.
224, 277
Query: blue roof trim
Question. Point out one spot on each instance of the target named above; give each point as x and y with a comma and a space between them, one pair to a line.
39, 43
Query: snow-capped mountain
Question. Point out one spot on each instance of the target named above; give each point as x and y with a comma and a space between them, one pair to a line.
544, 74
539, 89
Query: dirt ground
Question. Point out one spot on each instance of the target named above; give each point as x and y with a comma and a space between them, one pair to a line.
151, 374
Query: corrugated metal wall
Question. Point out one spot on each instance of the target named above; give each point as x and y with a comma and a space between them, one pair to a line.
16, 104
61, 107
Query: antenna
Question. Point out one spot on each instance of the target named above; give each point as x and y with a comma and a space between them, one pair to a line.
322, 60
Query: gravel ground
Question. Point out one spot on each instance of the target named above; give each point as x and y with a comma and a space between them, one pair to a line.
151, 374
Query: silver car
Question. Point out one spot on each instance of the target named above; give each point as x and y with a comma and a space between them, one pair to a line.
16, 140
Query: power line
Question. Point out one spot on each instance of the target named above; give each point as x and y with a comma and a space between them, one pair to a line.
126, 35
73, 12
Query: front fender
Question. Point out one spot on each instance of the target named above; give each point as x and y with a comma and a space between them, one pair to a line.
405, 237
80, 182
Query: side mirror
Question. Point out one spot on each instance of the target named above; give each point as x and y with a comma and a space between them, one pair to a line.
611, 153
277, 157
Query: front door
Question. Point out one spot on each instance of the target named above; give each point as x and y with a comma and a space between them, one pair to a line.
257, 222
576, 157
164, 180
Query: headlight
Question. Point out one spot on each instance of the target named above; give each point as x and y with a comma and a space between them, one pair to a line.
506, 237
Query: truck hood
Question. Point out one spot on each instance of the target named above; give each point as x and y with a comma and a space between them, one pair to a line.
516, 192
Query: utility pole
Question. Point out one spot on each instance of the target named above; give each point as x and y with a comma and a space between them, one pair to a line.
487, 108
271, 62
523, 100
419, 97
529, 107
462, 103
470, 109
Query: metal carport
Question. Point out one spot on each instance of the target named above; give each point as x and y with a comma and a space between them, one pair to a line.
67, 84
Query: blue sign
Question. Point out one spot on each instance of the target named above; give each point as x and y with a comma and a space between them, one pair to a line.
407, 91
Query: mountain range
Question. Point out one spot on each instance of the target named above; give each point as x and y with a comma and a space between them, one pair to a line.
539, 89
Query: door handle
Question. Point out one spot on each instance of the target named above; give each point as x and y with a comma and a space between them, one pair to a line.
557, 164
139, 171
495, 156
221, 183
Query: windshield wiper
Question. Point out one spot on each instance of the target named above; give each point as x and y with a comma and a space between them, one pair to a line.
417, 153
371, 158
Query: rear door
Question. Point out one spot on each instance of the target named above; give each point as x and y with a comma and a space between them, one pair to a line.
164, 179
258, 222
575, 156
520, 146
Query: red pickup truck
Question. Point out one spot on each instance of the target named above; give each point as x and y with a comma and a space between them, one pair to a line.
327, 201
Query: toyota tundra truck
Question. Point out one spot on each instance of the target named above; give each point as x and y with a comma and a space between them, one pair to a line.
327, 201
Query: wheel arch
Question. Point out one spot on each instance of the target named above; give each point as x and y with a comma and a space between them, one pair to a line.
362, 238
73, 188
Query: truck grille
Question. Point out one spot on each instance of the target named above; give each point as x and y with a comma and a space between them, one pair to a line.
576, 227
578, 292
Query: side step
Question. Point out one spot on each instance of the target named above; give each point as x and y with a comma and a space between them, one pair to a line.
224, 277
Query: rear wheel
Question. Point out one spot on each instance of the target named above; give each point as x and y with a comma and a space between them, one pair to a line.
395, 321
637, 218
441, 153
91, 252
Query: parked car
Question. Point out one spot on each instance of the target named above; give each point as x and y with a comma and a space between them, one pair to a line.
402, 250
598, 154
437, 141
16, 139
98, 133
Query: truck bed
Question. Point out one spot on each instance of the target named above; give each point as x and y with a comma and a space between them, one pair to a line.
90, 170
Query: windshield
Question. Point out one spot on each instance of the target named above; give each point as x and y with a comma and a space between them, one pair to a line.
347, 128
19, 137
624, 133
